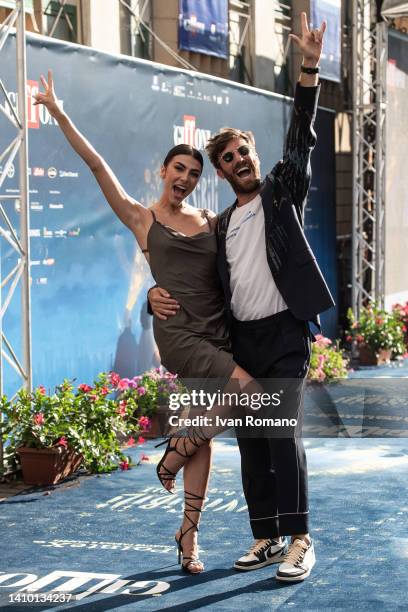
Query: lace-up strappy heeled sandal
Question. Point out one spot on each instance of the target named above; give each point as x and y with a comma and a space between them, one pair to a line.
164, 474
193, 565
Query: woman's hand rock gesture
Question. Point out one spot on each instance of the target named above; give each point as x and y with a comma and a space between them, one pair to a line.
48, 98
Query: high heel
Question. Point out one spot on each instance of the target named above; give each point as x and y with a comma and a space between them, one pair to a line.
189, 507
195, 438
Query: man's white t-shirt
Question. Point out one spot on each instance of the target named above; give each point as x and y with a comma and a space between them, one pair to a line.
254, 292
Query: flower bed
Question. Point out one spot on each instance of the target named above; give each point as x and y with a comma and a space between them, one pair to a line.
85, 420
378, 330
327, 362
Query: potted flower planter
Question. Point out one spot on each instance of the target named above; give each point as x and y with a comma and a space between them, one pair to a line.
368, 357
47, 466
159, 423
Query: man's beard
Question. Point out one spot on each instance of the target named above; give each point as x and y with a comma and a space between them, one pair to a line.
239, 188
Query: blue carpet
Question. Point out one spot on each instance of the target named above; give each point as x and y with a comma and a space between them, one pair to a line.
120, 528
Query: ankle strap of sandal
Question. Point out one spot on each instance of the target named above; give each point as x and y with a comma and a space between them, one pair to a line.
190, 507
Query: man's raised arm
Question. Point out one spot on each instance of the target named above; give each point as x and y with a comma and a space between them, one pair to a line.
295, 168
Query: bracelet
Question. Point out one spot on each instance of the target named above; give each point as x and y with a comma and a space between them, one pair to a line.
309, 70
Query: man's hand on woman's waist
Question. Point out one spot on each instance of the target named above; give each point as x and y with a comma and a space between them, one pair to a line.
162, 304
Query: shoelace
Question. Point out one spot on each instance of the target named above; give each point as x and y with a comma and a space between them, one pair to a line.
296, 552
259, 545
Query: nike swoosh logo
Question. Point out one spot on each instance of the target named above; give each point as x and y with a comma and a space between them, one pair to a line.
270, 553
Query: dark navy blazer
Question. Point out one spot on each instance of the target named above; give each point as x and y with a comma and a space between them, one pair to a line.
284, 193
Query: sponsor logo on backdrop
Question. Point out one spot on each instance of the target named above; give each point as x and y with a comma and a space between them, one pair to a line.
38, 172
189, 90
68, 174
36, 115
195, 26
190, 134
52, 172
11, 170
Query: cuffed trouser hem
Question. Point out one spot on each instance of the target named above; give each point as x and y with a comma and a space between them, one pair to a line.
281, 525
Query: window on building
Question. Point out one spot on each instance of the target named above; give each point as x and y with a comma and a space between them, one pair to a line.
61, 21
240, 31
12, 4
135, 39
6, 6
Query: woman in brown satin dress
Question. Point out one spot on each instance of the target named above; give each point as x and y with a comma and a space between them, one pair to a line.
180, 244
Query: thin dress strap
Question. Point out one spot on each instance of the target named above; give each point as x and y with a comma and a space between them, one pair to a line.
205, 213
154, 220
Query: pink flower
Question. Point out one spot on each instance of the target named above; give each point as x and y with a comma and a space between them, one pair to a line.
85, 388
141, 440
144, 422
132, 384
360, 338
144, 458
321, 375
322, 359
141, 390
104, 391
131, 441
137, 379
39, 419
124, 465
114, 378
322, 340
123, 384
349, 338
62, 442
41, 389
93, 397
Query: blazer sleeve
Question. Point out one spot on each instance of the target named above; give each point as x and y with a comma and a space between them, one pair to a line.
295, 168
149, 306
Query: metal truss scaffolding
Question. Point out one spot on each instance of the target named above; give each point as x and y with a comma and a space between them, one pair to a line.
19, 275
369, 114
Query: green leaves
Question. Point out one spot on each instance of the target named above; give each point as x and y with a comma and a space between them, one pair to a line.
378, 329
327, 362
87, 418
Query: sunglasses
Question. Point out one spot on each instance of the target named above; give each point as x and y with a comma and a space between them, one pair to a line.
243, 150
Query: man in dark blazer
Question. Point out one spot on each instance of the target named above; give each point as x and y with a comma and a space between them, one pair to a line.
271, 294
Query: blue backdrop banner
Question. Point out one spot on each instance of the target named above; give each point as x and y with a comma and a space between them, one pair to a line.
330, 62
203, 27
89, 278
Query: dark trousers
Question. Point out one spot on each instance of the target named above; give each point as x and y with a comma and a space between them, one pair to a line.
274, 470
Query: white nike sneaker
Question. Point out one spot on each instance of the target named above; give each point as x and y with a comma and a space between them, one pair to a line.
262, 553
298, 562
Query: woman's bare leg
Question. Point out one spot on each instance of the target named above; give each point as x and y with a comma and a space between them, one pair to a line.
196, 477
239, 380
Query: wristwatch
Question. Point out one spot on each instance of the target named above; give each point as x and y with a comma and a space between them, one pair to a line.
309, 70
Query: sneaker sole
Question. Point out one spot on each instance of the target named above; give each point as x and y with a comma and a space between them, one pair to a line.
277, 558
294, 578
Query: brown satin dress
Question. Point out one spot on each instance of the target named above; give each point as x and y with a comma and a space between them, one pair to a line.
194, 343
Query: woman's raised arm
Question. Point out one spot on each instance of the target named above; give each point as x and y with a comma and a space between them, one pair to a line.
129, 211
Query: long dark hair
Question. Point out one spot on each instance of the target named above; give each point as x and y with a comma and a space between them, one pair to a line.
183, 149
